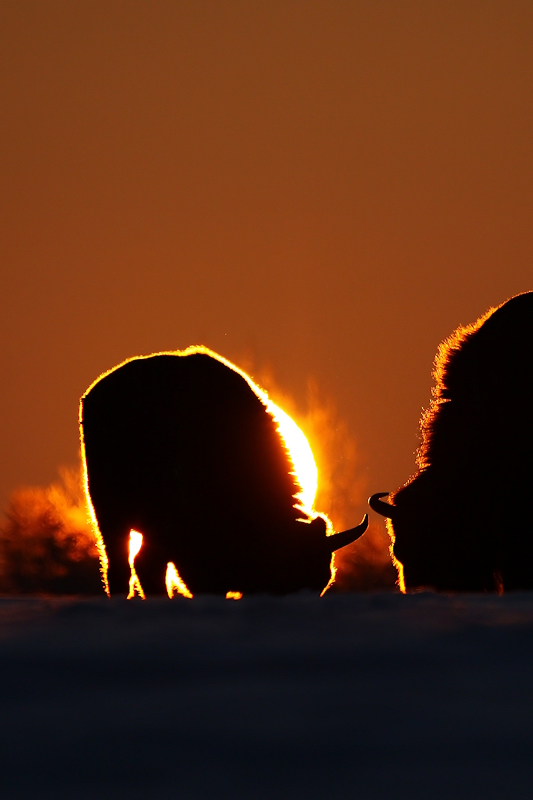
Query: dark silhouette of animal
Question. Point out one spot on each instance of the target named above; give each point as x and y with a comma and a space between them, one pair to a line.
181, 449
462, 523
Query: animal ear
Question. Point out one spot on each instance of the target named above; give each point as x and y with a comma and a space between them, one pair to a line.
314, 531
318, 526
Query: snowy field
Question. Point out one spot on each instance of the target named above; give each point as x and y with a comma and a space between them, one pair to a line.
352, 696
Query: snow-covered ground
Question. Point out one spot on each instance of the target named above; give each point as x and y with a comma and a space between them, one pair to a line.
352, 696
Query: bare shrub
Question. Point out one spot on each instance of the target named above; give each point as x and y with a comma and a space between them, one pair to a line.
47, 545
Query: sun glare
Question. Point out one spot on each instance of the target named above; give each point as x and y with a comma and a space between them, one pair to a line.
305, 469
299, 449
136, 540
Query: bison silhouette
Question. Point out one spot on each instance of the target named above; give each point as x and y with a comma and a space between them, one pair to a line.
180, 448
462, 523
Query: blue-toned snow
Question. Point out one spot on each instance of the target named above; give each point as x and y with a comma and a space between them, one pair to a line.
352, 696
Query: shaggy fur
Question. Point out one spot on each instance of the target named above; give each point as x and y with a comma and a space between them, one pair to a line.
462, 522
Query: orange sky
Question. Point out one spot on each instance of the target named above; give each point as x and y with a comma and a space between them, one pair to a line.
326, 188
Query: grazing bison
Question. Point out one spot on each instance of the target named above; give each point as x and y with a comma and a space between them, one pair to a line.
462, 522
180, 448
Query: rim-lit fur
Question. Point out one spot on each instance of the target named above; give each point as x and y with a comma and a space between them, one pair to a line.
459, 523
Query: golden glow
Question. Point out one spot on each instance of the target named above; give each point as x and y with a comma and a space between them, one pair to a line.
332, 567
102, 554
174, 583
451, 344
305, 469
136, 540
396, 564
233, 595
300, 453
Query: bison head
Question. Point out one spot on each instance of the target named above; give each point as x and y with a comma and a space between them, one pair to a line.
458, 525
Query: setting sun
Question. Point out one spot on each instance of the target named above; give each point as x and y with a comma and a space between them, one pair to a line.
301, 455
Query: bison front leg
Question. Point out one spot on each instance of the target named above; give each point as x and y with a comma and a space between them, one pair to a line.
118, 570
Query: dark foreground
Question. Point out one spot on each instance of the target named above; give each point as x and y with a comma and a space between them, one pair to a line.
351, 696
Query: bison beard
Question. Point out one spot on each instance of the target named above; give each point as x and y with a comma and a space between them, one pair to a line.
460, 523
180, 448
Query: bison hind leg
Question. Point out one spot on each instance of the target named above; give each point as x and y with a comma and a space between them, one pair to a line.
151, 567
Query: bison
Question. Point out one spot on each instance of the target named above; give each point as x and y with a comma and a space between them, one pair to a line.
461, 522
179, 447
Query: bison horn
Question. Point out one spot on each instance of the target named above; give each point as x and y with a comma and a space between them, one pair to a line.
339, 540
385, 509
